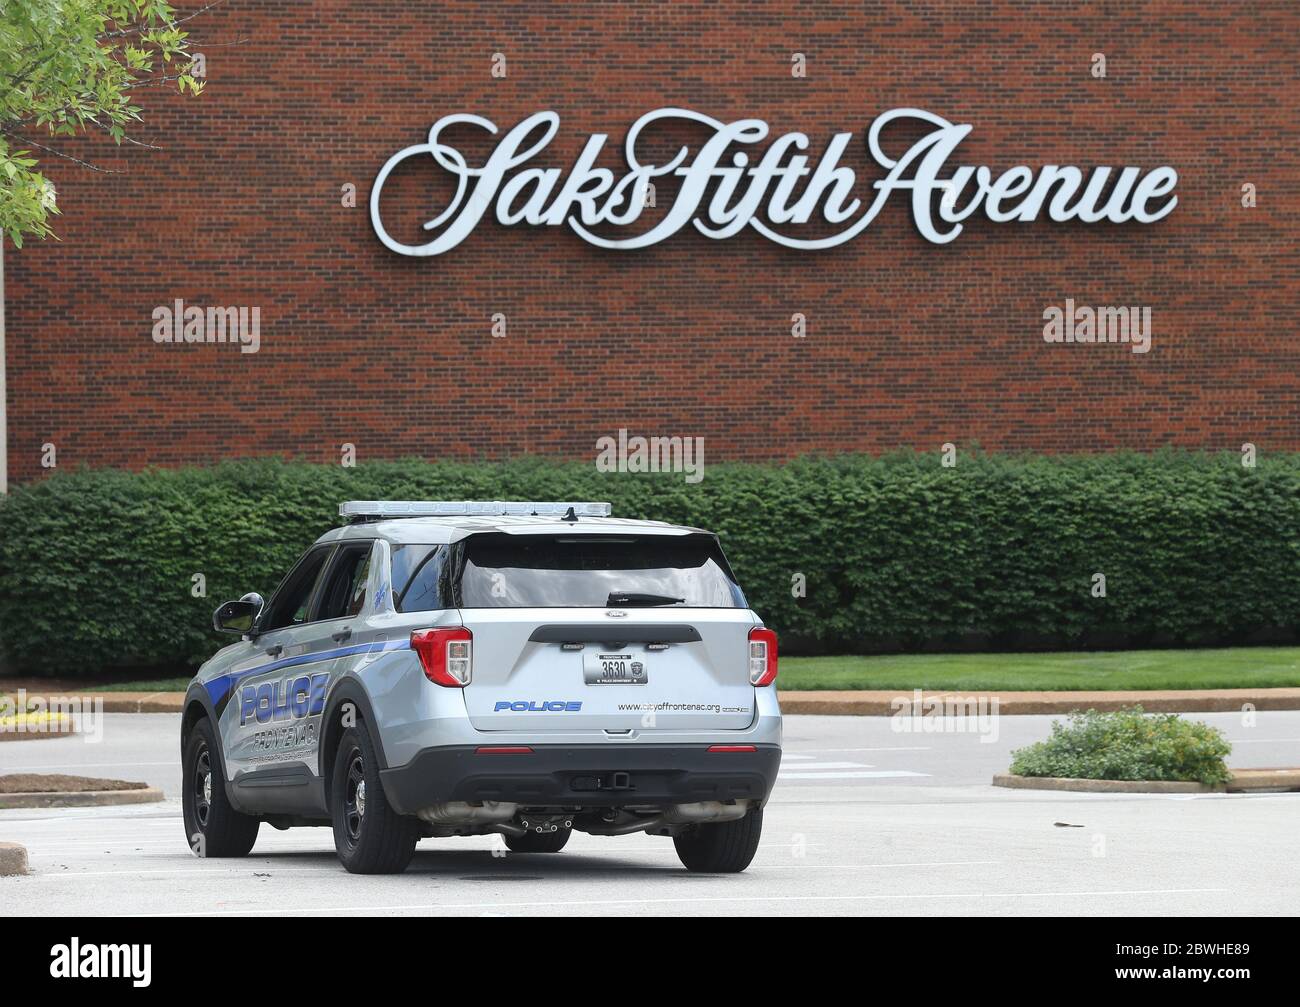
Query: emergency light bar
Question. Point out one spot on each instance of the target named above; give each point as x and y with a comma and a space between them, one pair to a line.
358, 509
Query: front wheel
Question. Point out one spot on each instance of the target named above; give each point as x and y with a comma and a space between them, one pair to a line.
721, 847
371, 838
212, 826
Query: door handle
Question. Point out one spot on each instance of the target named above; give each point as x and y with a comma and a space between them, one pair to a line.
275, 651
341, 635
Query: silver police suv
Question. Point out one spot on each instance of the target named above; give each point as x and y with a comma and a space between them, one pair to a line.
457, 669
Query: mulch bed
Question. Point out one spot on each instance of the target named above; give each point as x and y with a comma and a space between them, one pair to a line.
58, 783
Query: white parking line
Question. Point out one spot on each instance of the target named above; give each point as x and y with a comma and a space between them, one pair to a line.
836, 751
246, 871
338, 869
815, 769
552, 904
831, 765
868, 774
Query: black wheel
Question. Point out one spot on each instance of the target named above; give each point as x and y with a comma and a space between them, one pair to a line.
539, 842
722, 847
371, 838
212, 827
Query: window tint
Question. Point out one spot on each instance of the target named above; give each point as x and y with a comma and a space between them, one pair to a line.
406, 559
517, 571
289, 606
345, 586
417, 577
357, 599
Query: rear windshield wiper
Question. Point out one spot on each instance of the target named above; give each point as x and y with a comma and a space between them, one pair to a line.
632, 598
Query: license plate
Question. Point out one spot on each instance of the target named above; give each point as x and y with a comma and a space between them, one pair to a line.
614, 669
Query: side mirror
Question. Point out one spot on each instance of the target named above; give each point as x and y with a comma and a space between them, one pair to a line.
238, 616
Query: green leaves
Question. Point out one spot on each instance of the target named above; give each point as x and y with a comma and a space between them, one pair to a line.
67, 67
1127, 745
896, 553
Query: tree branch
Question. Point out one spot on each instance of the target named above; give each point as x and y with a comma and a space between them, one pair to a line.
28, 70
59, 153
129, 139
137, 29
151, 81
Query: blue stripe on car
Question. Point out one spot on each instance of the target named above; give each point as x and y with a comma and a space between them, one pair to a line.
220, 688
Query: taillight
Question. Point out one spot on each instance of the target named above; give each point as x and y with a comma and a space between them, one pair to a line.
762, 656
446, 654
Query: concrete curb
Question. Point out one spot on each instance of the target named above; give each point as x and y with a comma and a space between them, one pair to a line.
1099, 786
84, 799
1243, 781
887, 703
13, 859
143, 702
127, 702
1274, 780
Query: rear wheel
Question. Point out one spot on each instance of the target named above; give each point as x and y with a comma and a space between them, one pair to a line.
721, 847
539, 842
371, 838
212, 826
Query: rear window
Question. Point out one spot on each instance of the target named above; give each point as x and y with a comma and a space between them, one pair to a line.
534, 571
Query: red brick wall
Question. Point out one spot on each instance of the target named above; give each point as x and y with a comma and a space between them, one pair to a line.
909, 343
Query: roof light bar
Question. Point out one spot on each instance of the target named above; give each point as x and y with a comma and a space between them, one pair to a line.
470, 508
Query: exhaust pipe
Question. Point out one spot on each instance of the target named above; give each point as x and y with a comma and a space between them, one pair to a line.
456, 813
627, 828
705, 811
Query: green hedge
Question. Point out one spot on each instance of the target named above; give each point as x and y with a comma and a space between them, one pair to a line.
898, 552
1127, 745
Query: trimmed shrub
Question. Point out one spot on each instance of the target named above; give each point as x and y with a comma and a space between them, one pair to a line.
97, 566
1127, 745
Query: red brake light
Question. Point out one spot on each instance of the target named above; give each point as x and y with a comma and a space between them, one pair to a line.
762, 656
732, 748
447, 655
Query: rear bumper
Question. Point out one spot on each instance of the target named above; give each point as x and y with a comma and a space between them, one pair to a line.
582, 775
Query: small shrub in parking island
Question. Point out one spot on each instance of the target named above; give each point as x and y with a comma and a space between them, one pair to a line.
1127, 745
101, 569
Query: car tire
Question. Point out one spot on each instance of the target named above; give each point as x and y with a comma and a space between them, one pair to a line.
213, 827
539, 842
371, 838
721, 847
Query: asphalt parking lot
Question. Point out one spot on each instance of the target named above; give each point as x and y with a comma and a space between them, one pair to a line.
865, 820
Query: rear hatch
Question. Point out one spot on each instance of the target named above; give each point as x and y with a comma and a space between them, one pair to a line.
605, 633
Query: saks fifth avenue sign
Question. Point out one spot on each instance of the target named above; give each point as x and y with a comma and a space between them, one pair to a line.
774, 190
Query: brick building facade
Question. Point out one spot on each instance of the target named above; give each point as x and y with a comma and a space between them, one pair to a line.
908, 343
